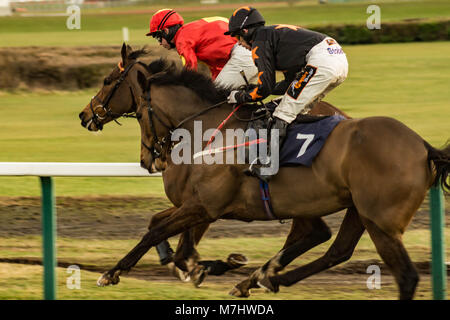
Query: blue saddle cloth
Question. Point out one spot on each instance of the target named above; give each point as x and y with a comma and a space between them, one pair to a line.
305, 140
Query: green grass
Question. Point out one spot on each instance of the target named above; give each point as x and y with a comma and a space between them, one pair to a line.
25, 282
22, 282
44, 127
406, 81
98, 28
105, 253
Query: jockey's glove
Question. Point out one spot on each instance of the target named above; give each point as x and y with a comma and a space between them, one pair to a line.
237, 96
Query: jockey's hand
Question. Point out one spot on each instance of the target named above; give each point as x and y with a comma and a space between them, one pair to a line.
232, 98
238, 97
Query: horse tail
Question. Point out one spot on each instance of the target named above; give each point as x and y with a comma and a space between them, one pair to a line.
441, 160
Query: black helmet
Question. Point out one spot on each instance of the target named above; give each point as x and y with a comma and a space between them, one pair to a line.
244, 18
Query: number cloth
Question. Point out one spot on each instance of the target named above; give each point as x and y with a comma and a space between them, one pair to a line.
305, 140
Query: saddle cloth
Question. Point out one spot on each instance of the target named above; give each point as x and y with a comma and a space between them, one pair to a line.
305, 140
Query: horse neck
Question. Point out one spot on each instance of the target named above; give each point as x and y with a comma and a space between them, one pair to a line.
185, 104
132, 79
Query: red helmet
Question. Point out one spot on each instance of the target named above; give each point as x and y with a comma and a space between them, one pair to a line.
164, 18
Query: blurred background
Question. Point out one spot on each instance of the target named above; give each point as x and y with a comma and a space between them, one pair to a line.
49, 72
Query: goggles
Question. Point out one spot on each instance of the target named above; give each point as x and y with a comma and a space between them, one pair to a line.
238, 35
158, 35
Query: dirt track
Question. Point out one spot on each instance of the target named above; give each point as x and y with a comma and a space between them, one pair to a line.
124, 217
127, 217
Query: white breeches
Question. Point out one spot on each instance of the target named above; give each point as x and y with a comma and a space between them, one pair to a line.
326, 68
240, 59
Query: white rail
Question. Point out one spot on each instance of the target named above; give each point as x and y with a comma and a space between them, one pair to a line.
74, 169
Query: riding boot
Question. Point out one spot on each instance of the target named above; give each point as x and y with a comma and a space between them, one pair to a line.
255, 170
165, 252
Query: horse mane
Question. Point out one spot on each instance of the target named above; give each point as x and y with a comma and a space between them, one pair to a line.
160, 65
138, 53
167, 74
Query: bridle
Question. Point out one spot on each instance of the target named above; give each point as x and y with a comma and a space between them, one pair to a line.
162, 143
96, 117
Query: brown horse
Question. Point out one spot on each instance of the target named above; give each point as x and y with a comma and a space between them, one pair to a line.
356, 169
376, 167
118, 97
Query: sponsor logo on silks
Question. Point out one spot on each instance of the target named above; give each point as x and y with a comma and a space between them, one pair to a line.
335, 51
296, 87
331, 42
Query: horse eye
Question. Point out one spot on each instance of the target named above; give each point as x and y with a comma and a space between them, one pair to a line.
138, 115
107, 81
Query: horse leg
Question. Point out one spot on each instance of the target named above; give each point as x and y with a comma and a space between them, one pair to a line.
186, 256
341, 250
162, 226
164, 250
304, 235
392, 251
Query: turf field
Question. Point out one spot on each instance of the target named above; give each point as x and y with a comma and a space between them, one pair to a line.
25, 281
406, 81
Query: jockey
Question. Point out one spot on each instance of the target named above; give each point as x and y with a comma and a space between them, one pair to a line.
312, 63
204, 40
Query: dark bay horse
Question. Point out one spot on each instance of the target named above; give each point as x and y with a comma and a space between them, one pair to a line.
377, 168
118, 97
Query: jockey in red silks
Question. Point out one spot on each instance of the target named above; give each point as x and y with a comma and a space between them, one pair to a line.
204, 40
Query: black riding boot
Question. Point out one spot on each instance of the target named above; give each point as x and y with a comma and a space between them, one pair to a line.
255, 170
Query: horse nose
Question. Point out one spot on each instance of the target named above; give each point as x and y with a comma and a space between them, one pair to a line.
142, 164
81, 115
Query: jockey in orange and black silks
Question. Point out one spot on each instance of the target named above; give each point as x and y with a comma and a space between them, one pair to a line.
204, 40
289, 49
312, 63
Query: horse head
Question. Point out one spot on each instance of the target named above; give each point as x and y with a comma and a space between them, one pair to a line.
155, 128
117, 96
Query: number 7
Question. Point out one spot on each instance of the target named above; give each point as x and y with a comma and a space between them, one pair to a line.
308, 139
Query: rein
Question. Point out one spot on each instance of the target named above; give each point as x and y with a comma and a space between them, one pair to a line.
162, 143
105, 104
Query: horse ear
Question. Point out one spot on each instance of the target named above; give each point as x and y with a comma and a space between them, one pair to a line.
124, 54
142, 80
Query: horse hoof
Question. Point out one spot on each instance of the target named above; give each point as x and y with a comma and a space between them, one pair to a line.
198, 275
266, 284
237, 260
236, 292
178, 273
106, 279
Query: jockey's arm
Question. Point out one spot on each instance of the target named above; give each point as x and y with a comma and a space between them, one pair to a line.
263, 59
187, 54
